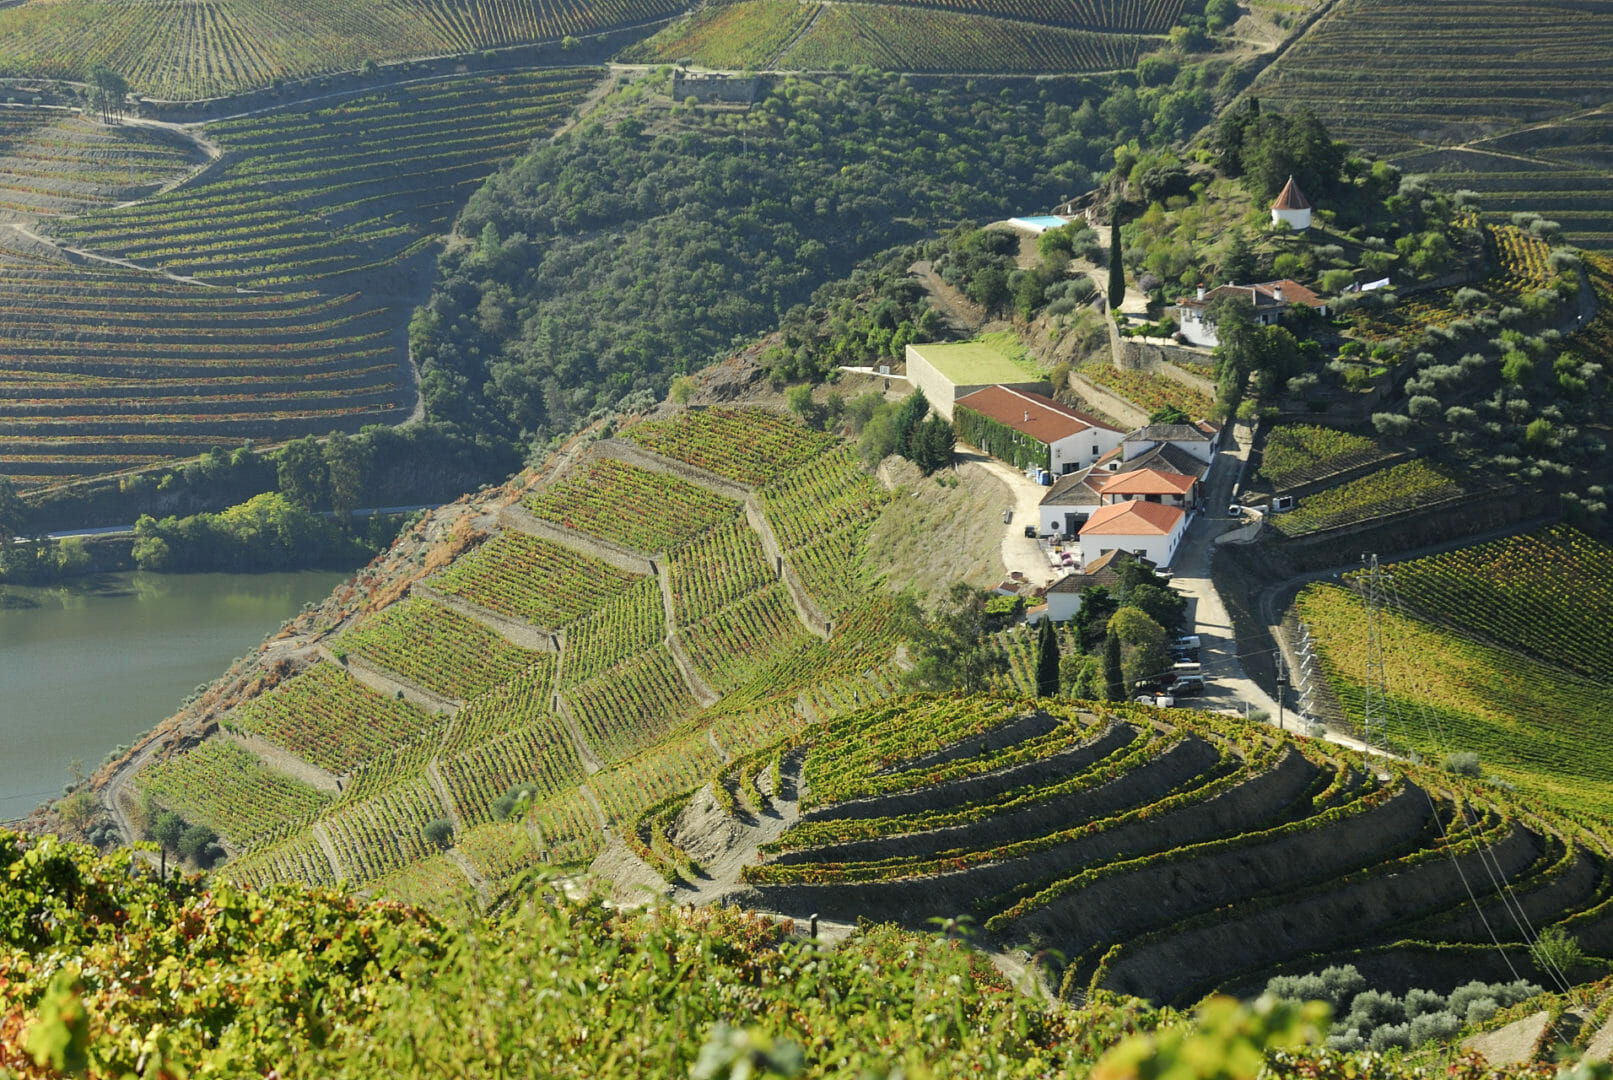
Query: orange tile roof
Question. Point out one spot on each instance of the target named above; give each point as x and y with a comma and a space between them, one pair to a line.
1036, 415
1134, 519
1291, 198
1148, 482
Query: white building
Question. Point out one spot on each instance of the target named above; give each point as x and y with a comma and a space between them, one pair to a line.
1070, 501
1291, 208
1151, 530
946, 371
1028, 425
1063, 598
1192, 439
1270, 299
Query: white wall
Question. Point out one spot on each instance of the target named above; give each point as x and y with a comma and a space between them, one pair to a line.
1076, 451
1061, 606
1195, 329
1157, 549
1298, 220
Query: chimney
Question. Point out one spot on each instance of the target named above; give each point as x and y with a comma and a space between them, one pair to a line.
1201, 290
1277, 292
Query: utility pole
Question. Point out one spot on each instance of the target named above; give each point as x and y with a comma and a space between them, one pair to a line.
1282, 688
1376, 708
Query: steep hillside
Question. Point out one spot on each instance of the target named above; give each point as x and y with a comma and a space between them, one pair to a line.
615, 631
1511, 667
1158, 851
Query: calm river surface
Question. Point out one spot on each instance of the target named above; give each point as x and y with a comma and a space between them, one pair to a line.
87, 667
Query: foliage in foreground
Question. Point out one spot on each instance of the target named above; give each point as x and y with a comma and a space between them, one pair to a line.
107, 971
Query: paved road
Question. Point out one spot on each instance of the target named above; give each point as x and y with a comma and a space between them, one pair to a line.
1226, 686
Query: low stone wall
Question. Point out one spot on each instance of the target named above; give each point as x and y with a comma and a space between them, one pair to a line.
806, 608
1123, 905
1176, 966
390, 684
516, 632
283, 760
1147, 783
521, 519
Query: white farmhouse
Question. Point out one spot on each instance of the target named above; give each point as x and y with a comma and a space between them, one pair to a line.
1152, 530
1196, 440
1270, 300
1064, 595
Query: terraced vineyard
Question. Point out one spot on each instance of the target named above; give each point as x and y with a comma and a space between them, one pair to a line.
638, 509
1147, 391
435, 647
822, 514
309, 195
1507, 112
903, 38
1547, 593
1155, 849
104, 368
328, 718
729, 646
109, 369
529, 578
923, 35
223, 785
619, 720
747, 446
218, 47
55, 162
721, 567
1531, 723
1405, 486
1296, 454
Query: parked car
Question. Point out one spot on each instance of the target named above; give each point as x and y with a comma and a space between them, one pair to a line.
1186, 686
1283, 503
1030, 532
1191, 641
1235, 510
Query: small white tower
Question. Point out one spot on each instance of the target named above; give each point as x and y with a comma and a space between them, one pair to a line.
1292, 206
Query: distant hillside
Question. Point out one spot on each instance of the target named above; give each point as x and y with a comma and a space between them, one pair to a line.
188, 51
1515, 108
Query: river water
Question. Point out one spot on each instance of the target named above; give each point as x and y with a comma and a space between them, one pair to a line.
86, 667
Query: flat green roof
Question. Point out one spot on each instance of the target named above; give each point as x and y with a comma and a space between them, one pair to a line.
994, 358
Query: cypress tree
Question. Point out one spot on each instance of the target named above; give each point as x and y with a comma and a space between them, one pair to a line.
1113, 677
1117, 272
1047, 659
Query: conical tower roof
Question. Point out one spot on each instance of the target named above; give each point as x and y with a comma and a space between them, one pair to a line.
1291, 198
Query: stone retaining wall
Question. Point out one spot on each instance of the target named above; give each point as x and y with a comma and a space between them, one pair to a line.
914, 900
516, 632
390, 684
1123, 905
521, 519
283, 760
1184, 963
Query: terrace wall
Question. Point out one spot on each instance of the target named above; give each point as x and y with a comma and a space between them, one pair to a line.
1171, 968
916, 899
